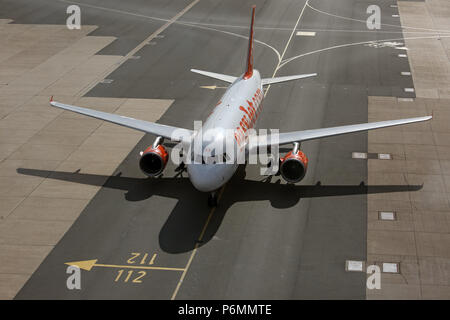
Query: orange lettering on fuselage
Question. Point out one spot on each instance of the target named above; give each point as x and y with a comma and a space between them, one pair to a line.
249, 117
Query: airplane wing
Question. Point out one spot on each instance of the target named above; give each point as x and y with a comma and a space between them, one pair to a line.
267, 81
299, 136
169, 132
219, 76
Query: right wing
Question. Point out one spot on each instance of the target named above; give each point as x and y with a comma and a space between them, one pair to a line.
219, 76
299, 136
169, 132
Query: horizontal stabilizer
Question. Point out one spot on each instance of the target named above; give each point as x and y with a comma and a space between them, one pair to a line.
267, 81
223, 77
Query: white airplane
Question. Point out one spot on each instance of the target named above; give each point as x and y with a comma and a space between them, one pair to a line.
237, 110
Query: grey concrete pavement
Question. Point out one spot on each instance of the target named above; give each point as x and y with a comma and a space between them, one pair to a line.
266, 239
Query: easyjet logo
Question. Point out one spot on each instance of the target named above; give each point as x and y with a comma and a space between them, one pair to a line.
249, 117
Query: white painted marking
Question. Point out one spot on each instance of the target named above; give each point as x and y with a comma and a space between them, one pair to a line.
402, 55
280, 58
141, 45
359, 155
405, 99
107, 81
389, 267
286, 61
395, 16
402, 48
409, 90
394, 6
384, 156
364, 21
387, 215
352, 265
306, 33
406, 73
378, 44
135, 57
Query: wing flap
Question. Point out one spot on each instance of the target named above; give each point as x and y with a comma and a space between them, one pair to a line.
169, 132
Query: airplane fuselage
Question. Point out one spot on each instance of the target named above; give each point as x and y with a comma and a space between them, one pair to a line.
236, 112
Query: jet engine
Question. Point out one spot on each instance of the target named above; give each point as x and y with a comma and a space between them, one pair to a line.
154, 159
293, 166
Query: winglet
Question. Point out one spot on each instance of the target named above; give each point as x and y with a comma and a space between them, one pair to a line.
51, 99
249, 70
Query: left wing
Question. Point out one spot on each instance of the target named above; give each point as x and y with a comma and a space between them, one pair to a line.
299, 136
169, 132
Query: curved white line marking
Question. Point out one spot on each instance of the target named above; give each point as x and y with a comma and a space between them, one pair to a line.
195, 25
364, 21
286, 61
236, 35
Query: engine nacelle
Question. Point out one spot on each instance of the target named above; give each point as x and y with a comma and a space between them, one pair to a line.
293, 166
154, 160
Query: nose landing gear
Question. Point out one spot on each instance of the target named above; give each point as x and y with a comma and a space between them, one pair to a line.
213, 199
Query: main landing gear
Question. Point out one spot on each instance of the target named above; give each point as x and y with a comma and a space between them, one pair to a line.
213, 199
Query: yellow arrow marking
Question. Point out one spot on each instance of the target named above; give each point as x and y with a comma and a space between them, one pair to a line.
212, 87
89, 264
85, 265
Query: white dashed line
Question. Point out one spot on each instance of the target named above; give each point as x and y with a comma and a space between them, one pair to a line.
306, 33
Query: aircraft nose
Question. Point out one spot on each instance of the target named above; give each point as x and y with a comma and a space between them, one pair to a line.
203, 177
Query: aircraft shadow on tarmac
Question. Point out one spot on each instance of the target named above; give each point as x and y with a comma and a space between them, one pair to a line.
182, 228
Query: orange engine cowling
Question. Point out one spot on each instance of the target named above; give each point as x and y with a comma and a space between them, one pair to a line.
154, 160
293, 166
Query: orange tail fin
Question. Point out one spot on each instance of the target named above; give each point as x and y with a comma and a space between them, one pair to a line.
249, 71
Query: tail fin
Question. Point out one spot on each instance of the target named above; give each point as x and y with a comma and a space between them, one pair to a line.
249, 70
